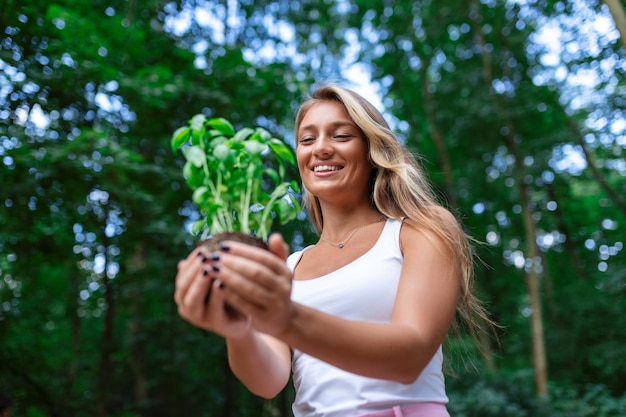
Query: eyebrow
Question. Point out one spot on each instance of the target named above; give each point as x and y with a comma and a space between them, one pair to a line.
333, 124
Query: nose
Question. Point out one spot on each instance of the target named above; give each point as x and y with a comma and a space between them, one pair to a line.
323, 147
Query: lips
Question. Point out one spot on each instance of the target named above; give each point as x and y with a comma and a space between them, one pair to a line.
326, 168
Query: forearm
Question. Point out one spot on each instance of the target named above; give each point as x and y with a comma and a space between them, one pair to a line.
260, 362
392, 351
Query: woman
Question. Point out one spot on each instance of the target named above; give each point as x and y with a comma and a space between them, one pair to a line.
360, 316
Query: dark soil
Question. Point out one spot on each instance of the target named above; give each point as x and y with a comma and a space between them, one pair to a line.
213, 242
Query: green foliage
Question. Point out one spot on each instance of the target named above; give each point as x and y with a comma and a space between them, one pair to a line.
586, 401
233, 176
512, 396
92, 201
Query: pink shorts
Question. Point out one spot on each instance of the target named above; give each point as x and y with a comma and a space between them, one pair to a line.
416, 410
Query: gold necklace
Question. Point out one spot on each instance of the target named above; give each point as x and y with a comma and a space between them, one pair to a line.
341, 245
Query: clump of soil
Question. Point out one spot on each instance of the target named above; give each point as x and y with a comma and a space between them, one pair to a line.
214, 241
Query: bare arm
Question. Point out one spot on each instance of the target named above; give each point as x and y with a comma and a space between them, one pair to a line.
398, 351
261, 362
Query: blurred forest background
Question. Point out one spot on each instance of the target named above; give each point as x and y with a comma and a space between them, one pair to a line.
517, 108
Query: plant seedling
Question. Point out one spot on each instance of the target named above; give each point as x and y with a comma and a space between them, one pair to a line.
238, 178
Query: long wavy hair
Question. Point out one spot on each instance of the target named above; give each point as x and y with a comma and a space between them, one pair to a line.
399, 189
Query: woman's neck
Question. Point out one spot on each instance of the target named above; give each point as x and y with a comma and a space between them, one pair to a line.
339, 223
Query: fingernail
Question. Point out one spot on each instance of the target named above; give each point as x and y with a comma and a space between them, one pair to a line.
204, 259
224, 247
215, 268
205, 273
215, 256
222, 285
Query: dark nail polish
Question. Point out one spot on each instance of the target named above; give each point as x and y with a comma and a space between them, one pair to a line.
205, 273
222, 285
215, 256
231, 311
224, 247
205, 259
215, 268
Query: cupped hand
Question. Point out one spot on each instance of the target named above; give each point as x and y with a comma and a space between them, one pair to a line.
201, 299
257, 283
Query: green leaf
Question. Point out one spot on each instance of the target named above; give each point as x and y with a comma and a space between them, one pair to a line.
263, 134
254, 148
221, 152
180, 136
285, 210
214, 134
196, 136
295, 186
195, 155
280, 191
197, 226
197, 122
295, 203
273, 174
281, 149
222, 125
197, 129
199, 195
242, 134
193, 175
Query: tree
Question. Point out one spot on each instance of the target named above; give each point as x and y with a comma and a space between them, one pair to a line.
94, 214
86, 146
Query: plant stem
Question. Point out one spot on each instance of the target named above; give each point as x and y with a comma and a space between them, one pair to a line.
245, 209
266, 211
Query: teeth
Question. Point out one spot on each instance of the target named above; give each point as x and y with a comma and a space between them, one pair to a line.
325, 168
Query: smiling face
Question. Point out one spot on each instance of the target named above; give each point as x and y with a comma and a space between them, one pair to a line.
332, 154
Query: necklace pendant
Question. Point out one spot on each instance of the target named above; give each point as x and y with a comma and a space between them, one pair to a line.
340, 246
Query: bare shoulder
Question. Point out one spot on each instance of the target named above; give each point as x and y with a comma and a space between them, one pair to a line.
437, 228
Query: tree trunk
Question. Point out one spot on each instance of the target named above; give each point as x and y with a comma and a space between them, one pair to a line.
140, 383
107, 331
534, 294
619, 17
531, 275
75, 326
106, 349
437, 137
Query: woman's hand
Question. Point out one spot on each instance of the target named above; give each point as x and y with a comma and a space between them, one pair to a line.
257, 283
201, 299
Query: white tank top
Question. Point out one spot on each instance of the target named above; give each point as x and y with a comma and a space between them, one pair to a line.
364, 290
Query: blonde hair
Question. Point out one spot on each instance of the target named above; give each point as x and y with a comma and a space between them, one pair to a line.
400, 190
